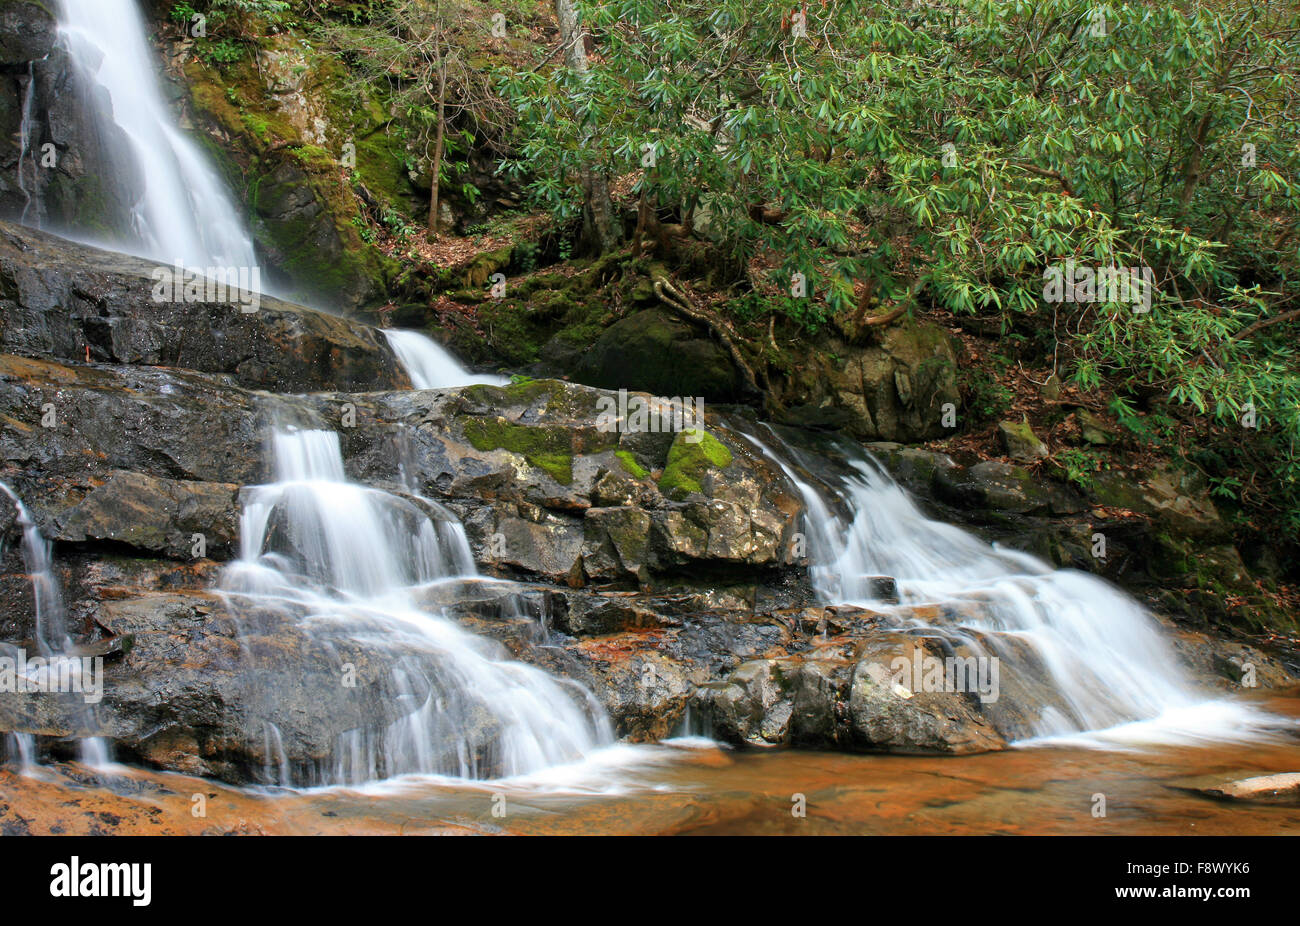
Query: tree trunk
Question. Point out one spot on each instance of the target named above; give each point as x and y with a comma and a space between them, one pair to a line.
600, 227
439, 135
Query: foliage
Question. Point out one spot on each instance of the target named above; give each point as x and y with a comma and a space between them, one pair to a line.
413, 54
959, 150
1079, 466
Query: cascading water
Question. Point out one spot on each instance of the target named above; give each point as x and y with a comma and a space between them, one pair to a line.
352, 565
430, 366
51, 639
51, 625
185, 213
1114, 675
24, 133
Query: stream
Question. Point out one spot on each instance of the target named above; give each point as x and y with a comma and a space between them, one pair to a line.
696, 788
1108, 732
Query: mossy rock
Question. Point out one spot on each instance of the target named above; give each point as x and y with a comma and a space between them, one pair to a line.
653, 351
1020, 442
547, 449
693, 454
635, 469
303, 218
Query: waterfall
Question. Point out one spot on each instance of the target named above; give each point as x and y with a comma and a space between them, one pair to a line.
51, 622
353, 563
185, 212
429, 365
52, 640
1115, 677
24, 133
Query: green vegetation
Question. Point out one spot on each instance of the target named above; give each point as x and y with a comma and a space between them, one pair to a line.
635, 469
547, 449
944, 156
693, 453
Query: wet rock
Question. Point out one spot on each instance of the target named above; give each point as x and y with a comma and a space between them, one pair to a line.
523, 538
595, 615
179, 519
75, 303
616, 543
295, 224
889, 716
1233, 665
27, 32
751, 707
1282, 788
246, 697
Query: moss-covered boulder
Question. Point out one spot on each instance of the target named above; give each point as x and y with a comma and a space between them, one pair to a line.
900, 389
277, 126
652, 351
1020, 442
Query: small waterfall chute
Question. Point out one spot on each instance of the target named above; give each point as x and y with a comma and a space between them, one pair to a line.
59, 664
348, 564
1113, 675
431, 366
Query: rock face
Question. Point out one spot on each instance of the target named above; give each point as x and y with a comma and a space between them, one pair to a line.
56, 173
651, 351
898, 390
71, 302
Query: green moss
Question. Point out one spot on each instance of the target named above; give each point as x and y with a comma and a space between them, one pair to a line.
547, 449
524, 393
631, 465
314, 158
693, 453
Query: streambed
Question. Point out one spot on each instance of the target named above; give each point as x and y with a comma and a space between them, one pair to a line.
691, 787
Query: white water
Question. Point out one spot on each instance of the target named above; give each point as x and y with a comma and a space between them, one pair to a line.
186, 213
351, 561
51, 631
51, 627
1115, 673
25, 130
429, 365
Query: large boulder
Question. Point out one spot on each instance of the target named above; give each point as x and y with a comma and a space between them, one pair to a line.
900, 389
653, 351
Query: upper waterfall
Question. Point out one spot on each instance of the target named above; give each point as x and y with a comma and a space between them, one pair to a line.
185, 212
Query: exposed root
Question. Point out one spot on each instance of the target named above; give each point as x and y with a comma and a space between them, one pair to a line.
680, 303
